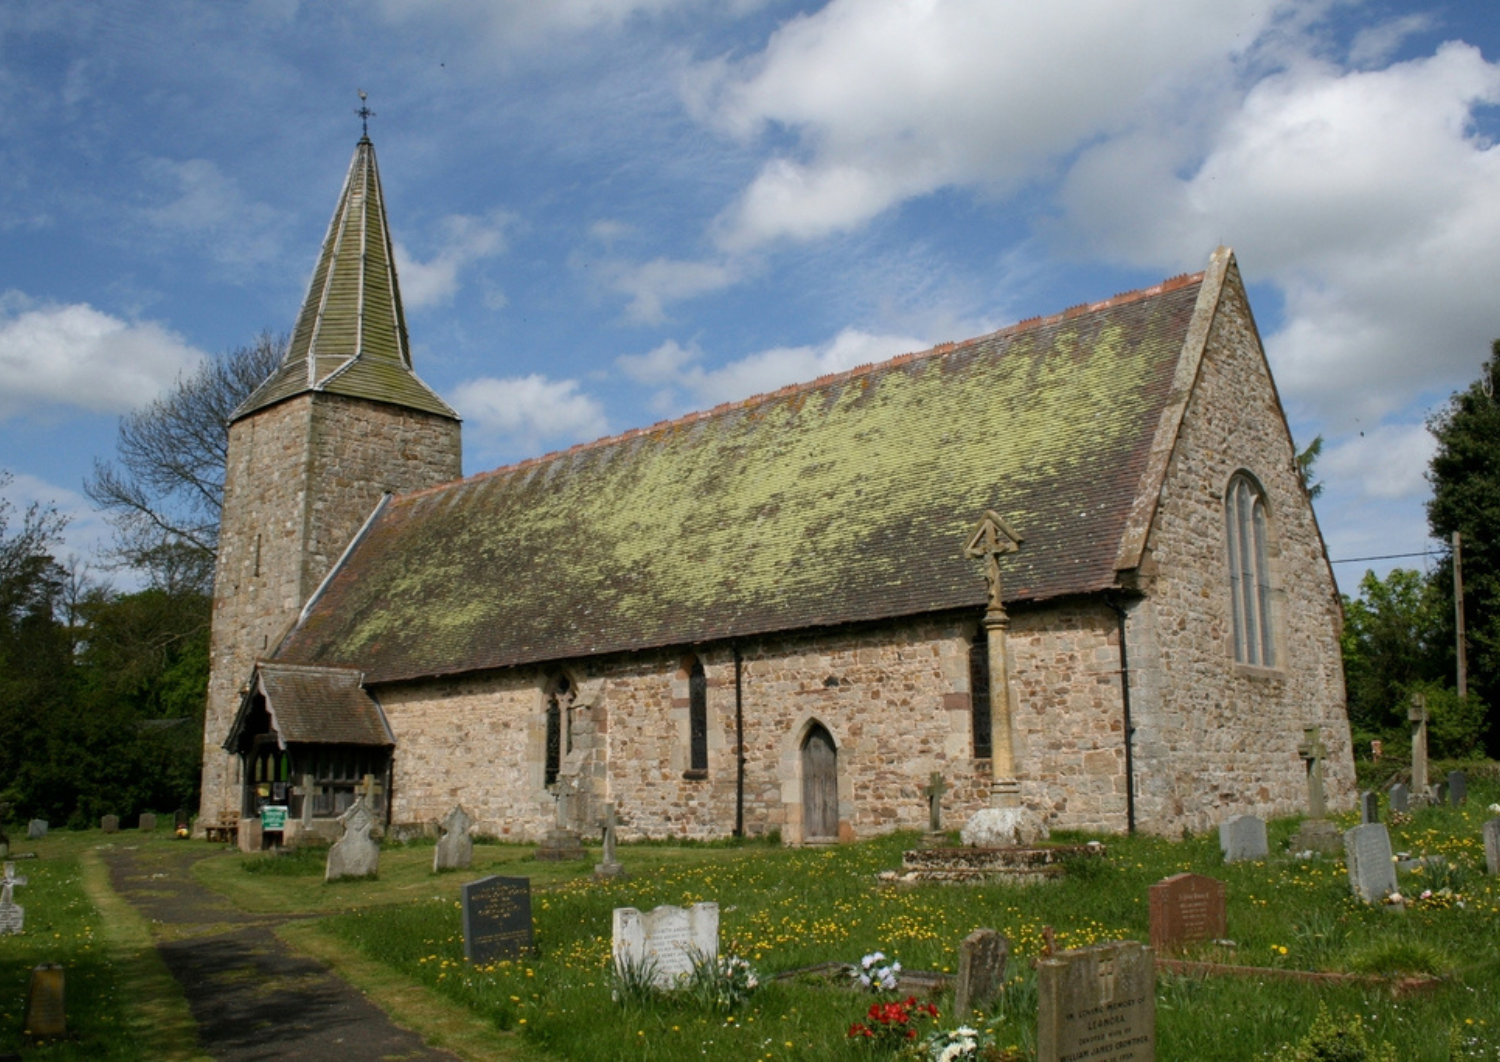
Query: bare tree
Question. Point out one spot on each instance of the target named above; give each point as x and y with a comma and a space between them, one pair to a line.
165, 490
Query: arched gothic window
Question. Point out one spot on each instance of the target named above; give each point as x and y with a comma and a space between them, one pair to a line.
979, 695
559, 732
697, 717
1249, 573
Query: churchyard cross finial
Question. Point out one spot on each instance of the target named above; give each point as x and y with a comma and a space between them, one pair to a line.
991, 540
364, 113
1313, 751
934, 791
9, 882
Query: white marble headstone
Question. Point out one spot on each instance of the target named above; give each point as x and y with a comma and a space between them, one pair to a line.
667, 941
12, 914
356, 854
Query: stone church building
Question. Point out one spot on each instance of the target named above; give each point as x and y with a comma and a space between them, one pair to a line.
764, 617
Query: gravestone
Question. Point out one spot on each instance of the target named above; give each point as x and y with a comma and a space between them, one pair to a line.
1400, 798
497, 918
1097, 1003
1492, 846
12, 914
1316, 833
1243, 837
1417, 716
148, 822
1438, 793
46, 1013
933, 791
455, 848
1186, 908
610, 867
1458, 788
1372, 870
110, 824
356, 854
1369, 808
561, 844
981, 972
36, 829
666, 943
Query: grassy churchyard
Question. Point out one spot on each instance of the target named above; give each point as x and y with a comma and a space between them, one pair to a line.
399, 938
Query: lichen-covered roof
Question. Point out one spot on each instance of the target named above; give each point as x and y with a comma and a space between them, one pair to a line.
350, 338
844, 500
317, 704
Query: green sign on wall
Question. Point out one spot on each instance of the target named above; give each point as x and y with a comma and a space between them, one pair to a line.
273, 817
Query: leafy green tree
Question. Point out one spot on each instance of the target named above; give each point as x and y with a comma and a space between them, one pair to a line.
1393, 640
1465, 478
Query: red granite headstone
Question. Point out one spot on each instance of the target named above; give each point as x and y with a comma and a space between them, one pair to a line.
1185, 908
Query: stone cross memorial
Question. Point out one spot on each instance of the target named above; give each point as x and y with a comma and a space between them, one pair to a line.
1492, 846
1243, 837
12, 914
610, 866
1097, 1003
497, 918
1417, 716
1316, 833
664, 944
455, 848
1400, 799
934, 791
1186, 908
1369, 807
1372, 870
981, 972
356, 854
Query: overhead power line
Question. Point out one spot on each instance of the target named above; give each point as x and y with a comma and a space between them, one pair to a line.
1387, 556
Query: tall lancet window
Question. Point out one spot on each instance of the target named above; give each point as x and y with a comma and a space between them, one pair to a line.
979, 694
697, 717
1249, 573
559, 731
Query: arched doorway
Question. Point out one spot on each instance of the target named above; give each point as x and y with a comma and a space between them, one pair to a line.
820, 786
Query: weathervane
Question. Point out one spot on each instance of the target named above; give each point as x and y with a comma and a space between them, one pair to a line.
364, 112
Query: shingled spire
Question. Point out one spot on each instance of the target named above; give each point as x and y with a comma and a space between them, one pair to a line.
350, 337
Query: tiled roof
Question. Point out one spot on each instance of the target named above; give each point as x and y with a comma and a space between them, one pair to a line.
843, 500
350, 338
319, 704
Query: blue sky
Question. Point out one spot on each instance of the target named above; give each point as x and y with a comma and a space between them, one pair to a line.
608, 212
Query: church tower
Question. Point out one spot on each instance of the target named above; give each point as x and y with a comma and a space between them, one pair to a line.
343, 421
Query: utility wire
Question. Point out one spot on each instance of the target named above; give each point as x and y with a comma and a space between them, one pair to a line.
1386, 556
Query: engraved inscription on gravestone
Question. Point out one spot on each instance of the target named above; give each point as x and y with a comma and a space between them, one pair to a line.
1372, 872
665, 943
1243, 837
497, 918
1186, 908
1097, 1003
1492, 846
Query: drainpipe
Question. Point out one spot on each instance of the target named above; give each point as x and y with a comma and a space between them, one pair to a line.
739, 745
1119, 611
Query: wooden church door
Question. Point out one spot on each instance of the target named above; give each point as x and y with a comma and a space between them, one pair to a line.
820, 786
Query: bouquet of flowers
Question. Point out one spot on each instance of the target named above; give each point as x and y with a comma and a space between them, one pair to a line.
876, 974
951, 1045
893, 1024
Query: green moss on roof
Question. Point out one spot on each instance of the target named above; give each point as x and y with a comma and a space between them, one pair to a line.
848, 499
350, 338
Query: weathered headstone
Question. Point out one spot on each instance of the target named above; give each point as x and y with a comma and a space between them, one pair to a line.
148, 822
12, 914
664, 944
36, 829
1417, 716
356, 854
455, 848
46, 1012
1372, 870
981, 972
1186, 908
1369, 807
1243, 837
1458, 788
1400, 798
110, 824
1316, 833
561, 844
1492, 846
1097, 1003
497, 918
610, 866
933, 791
1438, 793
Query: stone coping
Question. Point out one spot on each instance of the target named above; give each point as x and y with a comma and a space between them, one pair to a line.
1400, 987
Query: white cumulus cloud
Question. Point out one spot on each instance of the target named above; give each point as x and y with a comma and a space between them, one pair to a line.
530, 412
57, 356
1389, 461
464, 239
652, 285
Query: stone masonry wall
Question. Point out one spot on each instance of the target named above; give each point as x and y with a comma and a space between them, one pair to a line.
1215, 738
278, 537
895, 699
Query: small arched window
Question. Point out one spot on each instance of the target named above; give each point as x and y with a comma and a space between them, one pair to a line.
1249, 573
559, 735
979, 695
697, 717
